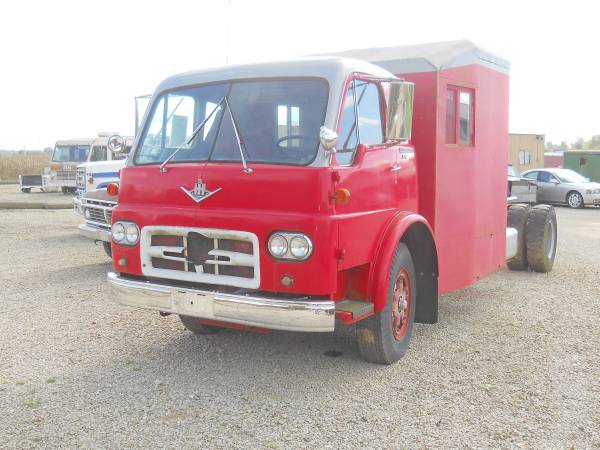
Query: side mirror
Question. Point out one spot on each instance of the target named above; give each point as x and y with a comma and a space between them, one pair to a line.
399, 97
116, 144
328, 139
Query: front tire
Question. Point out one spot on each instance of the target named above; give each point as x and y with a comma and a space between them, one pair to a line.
541, 238
107, 248
192, 324
384, 337
26, 190
575, 200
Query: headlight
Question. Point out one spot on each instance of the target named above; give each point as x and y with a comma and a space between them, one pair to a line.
278, 245
287, 245
86, 213
132, 233
300, 247
118, 232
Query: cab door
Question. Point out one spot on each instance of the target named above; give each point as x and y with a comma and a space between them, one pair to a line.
367, 167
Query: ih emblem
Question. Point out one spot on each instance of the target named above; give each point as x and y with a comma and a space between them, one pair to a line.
199, 192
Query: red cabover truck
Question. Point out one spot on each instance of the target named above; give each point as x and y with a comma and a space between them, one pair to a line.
293, 195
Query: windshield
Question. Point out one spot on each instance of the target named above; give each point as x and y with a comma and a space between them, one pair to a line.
278, 122
570, 176
70, 153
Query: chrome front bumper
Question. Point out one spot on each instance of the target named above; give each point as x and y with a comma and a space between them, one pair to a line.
591, 199
95, 233
274, 313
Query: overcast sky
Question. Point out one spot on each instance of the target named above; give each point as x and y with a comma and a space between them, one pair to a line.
71, 69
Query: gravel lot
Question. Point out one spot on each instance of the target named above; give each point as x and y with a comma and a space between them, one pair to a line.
514, 361
12, 193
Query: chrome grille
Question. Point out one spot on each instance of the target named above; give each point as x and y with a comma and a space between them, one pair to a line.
100, 211
202, 255
66, 175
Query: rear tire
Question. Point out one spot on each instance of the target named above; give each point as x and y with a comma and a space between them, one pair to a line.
575, 200
541, 238
384, 337
517, 218
26, 190
107, 248
192, 324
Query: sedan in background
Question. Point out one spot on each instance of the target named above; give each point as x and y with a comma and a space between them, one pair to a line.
564, 186
520, 190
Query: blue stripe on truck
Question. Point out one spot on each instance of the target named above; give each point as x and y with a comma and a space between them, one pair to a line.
105, 174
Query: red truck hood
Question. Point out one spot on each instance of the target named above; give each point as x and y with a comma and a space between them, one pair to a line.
278, 188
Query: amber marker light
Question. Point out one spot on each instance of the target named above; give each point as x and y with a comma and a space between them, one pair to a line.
112, 189
341, 196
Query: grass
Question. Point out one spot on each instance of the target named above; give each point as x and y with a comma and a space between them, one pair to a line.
32, 404
51, 380
13, 165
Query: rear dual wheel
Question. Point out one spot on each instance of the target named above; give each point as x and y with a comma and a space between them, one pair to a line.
541, 238
384, 337
537, 237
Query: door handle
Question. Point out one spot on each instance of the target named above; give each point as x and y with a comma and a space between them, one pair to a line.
396, 168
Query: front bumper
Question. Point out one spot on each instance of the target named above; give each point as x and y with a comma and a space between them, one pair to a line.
95, 233
275, 313
591, 199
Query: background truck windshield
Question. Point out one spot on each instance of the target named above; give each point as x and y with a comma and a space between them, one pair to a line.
70, 153
278, 122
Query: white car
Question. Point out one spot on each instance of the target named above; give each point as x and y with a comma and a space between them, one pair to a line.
564, 186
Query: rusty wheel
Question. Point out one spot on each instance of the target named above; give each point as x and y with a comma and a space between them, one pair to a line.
384, 337
401, 304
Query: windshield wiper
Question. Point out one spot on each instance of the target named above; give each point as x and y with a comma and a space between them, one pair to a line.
237, 138
189, 140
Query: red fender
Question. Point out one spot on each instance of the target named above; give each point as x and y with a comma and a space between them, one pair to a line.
394, 231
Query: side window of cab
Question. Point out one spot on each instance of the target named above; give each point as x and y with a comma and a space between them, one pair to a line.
363, 100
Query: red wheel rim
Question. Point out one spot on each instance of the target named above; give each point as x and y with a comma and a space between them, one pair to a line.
401, 305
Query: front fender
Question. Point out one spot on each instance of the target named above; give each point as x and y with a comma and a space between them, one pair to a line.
394, 233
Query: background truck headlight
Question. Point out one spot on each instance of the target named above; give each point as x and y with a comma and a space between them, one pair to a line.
289, 245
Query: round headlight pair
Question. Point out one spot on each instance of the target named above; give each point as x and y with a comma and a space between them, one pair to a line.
87, 214
126, 233
283, 245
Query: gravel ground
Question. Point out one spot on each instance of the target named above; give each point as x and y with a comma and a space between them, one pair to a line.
513, 362
12, 193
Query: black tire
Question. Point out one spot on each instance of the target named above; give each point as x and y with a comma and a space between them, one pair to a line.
517, 218
107, 248
575, 200
26, 190
541, 238
375, 334
192, 324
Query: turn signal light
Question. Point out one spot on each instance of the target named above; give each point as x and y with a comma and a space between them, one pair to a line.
112, 189
341, 196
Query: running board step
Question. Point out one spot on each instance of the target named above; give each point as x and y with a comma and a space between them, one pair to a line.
350, 311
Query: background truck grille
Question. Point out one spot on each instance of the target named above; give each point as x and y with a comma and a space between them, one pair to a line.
66, 175
100, 211
201, 255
